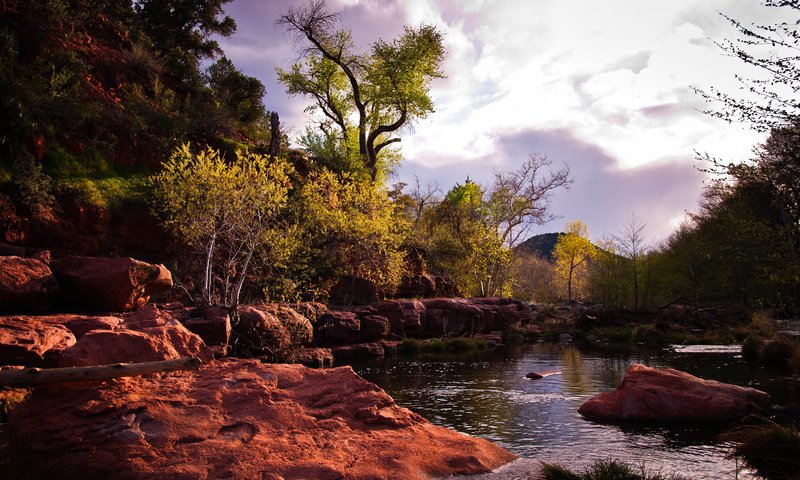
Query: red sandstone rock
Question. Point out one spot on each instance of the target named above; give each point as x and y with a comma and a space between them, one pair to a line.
145, 336
352, 290
314, 357
30, 342
26, 285
340, 327
311, 310
422, 285
111, 284
358, 351
80, 325
667, 395
374, 327
239, 420
406, 317
261, 332
452, 316
298, 326
214, 327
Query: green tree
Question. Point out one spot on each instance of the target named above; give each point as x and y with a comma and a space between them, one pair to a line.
367, 96
225, 210
572, 253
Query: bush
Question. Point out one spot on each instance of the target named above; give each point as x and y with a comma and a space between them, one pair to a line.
605, 470
751, 347
777, 354
772, 450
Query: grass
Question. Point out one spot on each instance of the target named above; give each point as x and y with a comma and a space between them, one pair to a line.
771, 449
436, 345
605, 470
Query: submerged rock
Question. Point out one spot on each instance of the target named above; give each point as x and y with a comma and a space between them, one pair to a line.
240, 420
669, 395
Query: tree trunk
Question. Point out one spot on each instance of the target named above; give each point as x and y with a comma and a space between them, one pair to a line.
207, 279
274, 134
41, 376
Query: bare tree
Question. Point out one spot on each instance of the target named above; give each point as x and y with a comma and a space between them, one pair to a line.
632, 244
521, 198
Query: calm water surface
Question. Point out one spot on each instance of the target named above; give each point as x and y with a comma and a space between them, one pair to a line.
485, 394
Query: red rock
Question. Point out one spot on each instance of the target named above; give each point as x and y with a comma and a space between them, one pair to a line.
298, 326
26, 285
352, 290
358, 351
80, 325
43, 256
406, 317
314, 357
240, 420
110, 284
669, 395
260, 332
311, 310
214, 327
340, 327
452, 316
374, 327
148, 335
33, 343
422, 285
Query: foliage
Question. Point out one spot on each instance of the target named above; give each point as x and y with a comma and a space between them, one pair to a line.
371, 96
33, 186
770, 99
349, 227
572, 254
226, 210
605, 470
772, 450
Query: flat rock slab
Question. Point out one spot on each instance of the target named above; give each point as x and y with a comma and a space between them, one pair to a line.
30, 342
237, 419
519, 469
669, 395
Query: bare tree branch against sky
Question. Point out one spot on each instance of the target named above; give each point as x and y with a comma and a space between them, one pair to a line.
603, 86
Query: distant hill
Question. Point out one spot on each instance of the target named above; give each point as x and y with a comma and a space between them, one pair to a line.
541, 245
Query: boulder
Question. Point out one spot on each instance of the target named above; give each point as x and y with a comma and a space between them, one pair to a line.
298, 326
406, 317
314, 357
213, 326
358, 351
147, 335
352, 290
501, 313
110, 284
31, 342
240, 420
452, 316
26, 285
416, 286
340, 327
80, 325
374, 327
260, 332
669, 395
311, 310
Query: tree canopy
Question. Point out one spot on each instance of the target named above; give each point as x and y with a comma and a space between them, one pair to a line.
371, 96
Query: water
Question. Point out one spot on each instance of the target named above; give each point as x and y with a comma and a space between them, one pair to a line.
485, 394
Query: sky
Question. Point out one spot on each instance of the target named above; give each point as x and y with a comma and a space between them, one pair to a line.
604, 87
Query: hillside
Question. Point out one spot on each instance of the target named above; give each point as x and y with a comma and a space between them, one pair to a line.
541, 245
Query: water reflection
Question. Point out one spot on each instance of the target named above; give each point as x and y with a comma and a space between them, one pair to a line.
487, 394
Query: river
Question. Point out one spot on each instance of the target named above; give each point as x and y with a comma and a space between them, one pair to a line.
485, 394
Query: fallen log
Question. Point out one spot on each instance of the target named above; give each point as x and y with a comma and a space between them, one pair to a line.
40, 376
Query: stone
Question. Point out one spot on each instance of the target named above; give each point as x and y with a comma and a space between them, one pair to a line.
236, 419
374, 327
298, 326
26, 285
314, 357
407, 318
564, 338
339, 327
669, 395
31, 342
498, 314
260, 332
422, 285
80, 325
110, 284
351, 290
147, 335
358, 351
213, 326
451, 316
313, 311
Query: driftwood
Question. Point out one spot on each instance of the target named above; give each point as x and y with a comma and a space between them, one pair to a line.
41, 376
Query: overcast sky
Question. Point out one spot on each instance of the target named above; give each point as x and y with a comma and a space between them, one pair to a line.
602, 86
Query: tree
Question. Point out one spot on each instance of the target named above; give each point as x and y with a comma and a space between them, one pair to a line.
770, 96
631, 243
369, 96
520, 198
572, 253
226, 210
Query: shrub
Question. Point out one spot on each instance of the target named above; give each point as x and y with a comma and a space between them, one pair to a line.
772, 450
776, 354
605, 470
751, 347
